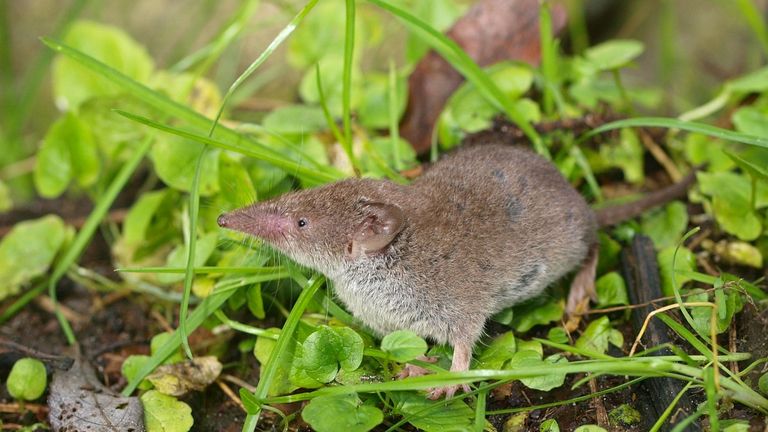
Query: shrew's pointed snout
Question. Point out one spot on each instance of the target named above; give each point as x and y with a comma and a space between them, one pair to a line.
223, 220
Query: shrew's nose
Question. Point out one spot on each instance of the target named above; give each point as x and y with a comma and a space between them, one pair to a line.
222, 220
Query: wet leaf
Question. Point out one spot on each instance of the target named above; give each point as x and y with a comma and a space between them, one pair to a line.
27, 379
611, 290
403, 345
665, 226
341, 413
28, 250
163, 413
327, 349
74, 83
178, 379
351, 354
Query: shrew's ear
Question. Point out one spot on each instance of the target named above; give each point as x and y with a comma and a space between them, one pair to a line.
381, 223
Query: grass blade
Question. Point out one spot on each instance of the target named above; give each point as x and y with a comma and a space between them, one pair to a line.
234, 141
670, 123
346, 81
314, 176
453, 54
279, 39
205, 270
83, 237
194, 207
228, 34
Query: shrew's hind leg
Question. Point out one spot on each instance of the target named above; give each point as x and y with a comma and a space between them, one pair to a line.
583, 285
462, 356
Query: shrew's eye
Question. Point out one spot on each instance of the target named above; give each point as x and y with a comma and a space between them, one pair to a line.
302, 223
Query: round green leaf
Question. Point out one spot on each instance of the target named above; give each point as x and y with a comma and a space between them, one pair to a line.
403, 345
611, 290
685, 260
28, 250
341, 413
351, 354
762, 384
589, 428
68, 152
549, 426
163, 413
175, 161
131, 367
27, 379
665, 226
320, 354
752, 121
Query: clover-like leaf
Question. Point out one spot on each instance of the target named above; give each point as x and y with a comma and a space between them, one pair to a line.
327, 349
341, 413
